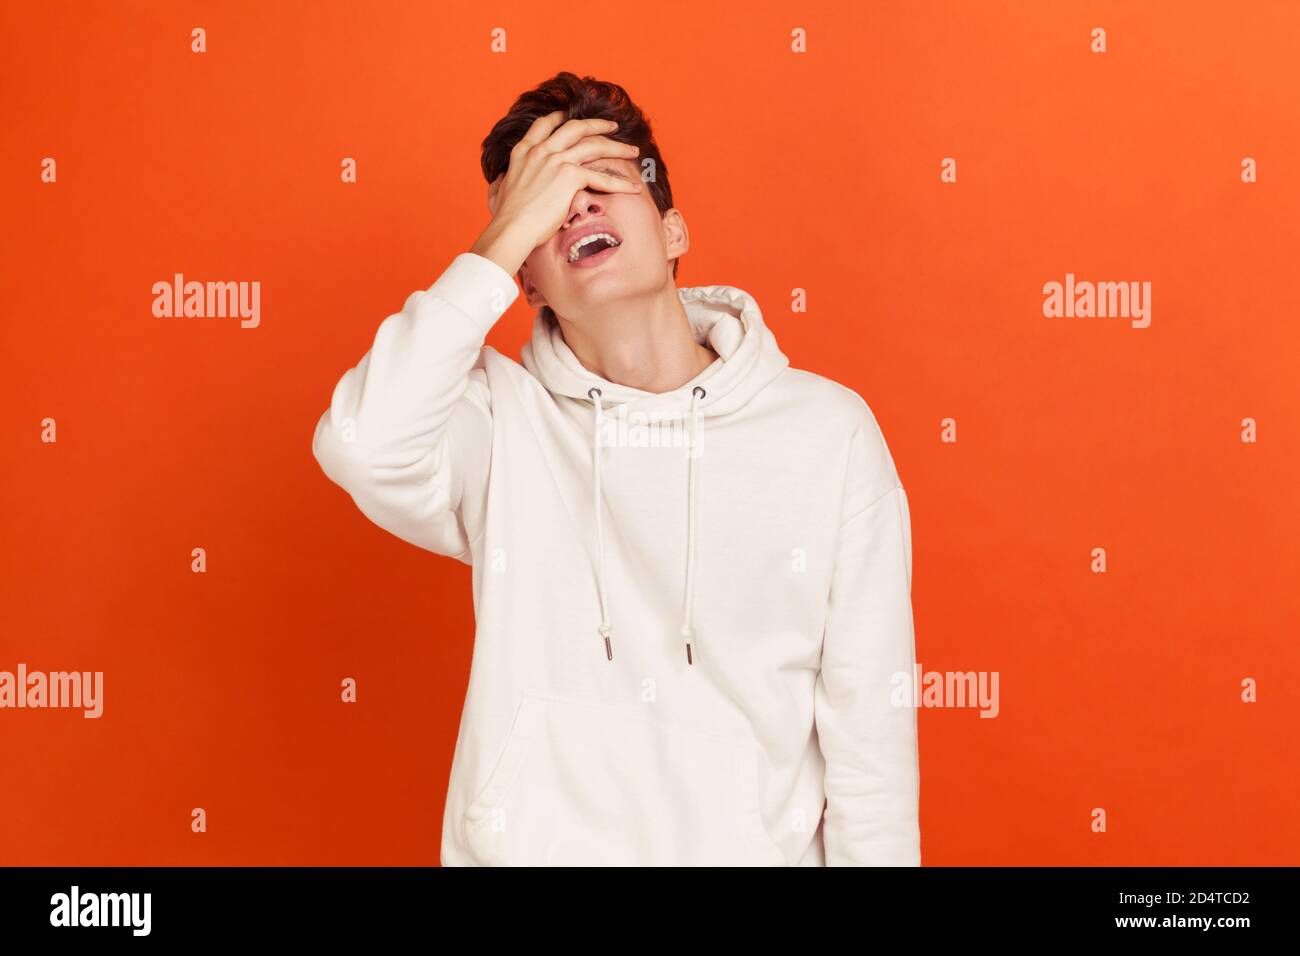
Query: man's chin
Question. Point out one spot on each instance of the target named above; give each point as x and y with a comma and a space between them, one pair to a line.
595, 299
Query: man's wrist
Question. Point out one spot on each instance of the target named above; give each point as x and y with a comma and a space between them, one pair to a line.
502, 244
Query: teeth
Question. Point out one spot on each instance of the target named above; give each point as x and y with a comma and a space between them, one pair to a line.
587, 240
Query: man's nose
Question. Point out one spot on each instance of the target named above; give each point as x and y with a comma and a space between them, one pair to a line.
585, 204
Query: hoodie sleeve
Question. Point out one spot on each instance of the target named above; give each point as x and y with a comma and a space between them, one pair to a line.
866, 727
408, 433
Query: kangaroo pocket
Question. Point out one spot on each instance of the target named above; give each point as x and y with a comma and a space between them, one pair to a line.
587, 783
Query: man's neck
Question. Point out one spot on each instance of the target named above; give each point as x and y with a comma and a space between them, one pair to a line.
650, 347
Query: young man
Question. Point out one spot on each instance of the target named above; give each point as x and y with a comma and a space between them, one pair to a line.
691, 562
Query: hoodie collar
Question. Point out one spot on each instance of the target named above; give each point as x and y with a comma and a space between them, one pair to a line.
725, 318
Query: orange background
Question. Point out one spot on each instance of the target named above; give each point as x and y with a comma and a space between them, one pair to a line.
817, 171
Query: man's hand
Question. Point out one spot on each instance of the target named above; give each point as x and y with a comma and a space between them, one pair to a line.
531, 199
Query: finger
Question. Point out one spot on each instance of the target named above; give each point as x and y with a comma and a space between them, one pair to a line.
599, 147
541, 128
595, 179
573, 131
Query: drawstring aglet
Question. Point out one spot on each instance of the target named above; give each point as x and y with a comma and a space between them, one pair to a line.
688, 633
609, 650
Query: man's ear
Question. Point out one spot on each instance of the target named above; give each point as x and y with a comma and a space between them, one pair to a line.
531, 295
676, 236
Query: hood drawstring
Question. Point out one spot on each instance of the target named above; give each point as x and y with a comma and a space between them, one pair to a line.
605, 629
688, 600
688, 597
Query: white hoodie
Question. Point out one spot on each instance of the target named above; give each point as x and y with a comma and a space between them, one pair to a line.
694, 637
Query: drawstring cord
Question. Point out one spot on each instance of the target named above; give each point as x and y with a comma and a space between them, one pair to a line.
604, 629
688, 598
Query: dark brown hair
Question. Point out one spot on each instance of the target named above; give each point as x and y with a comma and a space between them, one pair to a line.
581, 98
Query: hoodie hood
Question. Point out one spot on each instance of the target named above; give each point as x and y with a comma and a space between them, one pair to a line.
723, 317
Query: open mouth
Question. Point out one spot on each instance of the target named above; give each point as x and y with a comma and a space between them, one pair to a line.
593, 249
